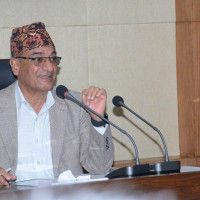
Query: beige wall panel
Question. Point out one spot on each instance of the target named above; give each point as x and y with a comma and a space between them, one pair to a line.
135, 61
5, 34
54, 13
130, 11
138, 62
71, 45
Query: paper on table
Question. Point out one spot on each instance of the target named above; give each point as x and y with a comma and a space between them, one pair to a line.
68, 178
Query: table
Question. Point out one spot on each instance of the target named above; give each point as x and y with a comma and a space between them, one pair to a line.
182, 186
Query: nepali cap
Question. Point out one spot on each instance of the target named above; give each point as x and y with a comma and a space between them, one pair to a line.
29, 37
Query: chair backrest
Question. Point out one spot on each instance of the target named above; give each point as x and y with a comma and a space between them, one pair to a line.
6, 75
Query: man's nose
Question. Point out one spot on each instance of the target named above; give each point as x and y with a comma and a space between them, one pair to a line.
47, 65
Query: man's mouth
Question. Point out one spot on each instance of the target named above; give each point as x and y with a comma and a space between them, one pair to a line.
46, 77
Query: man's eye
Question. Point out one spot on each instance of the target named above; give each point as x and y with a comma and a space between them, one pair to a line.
38, 59
52, 59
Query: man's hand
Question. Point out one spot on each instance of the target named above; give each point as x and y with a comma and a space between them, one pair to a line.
5, 177
95, 98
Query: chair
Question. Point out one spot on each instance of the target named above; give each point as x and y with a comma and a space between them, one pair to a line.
6, 75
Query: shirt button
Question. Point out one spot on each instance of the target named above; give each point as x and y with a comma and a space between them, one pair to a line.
38, 162
36, 140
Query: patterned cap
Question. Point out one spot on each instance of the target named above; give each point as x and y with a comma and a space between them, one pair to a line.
29, 37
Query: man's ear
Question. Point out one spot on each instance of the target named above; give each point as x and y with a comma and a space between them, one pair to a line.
14, 63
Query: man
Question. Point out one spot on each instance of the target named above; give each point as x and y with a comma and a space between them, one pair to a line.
42, 135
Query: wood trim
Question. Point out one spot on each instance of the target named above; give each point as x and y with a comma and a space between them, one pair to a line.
186, 88
188, 79
184, 10
187, 10
196, 10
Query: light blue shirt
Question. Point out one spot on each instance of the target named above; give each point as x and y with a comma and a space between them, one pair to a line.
34, 139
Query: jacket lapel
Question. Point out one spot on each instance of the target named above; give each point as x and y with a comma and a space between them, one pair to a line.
57, 116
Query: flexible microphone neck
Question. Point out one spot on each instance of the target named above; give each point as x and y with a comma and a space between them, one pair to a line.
63, 92
119, 102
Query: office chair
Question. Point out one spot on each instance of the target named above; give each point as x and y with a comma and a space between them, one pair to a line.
6, 75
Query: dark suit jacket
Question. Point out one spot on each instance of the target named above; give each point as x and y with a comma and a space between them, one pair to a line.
75, 143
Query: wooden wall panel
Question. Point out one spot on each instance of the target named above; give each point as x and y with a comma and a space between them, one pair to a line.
189, 162
196, 10
186, 88
184, 10
188, 79
187, 10
196, 64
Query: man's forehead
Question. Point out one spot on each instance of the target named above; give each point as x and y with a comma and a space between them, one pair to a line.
47, 51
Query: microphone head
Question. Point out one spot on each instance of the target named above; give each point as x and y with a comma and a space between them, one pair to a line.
116, 101
61, 91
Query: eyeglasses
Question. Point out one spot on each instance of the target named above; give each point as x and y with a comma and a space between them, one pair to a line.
39, 61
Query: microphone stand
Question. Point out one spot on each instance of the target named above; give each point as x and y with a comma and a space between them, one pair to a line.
161, 167
131, 171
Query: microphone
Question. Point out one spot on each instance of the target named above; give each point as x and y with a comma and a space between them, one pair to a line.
138, 169
165, 167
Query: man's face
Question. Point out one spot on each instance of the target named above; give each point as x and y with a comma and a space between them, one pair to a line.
32, 78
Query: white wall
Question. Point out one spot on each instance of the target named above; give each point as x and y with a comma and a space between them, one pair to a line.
125, 46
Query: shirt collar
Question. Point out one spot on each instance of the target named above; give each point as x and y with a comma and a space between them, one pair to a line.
20, 100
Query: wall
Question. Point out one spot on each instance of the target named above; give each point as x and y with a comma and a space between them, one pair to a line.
125, 46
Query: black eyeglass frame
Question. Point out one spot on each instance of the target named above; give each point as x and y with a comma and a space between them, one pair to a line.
30, 58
